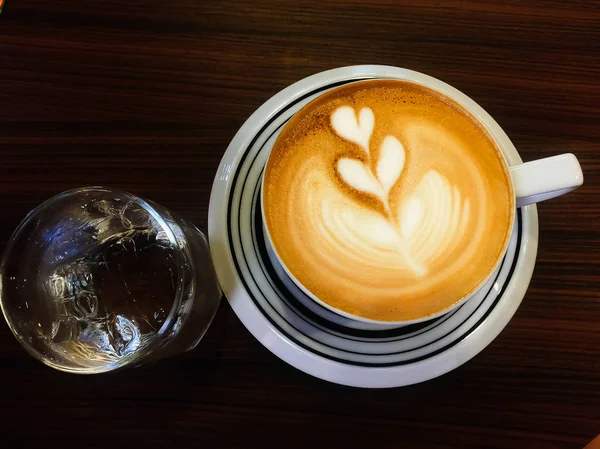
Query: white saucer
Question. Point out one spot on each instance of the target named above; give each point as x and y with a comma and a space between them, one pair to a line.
305, 338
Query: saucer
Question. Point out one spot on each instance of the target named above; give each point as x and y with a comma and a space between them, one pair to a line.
325, 345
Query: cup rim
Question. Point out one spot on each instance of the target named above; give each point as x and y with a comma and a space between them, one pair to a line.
508, 152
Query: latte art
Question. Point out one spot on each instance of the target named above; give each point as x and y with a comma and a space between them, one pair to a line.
386, 200
435, 209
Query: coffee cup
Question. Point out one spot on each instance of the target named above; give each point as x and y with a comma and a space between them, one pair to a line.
392, 201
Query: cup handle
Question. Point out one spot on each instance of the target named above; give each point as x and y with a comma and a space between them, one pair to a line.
546, 178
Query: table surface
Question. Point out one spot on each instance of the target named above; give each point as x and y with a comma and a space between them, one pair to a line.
146, 94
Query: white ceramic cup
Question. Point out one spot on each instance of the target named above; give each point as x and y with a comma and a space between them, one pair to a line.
533, 182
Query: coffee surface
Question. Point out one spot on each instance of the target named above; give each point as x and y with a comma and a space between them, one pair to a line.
387, 200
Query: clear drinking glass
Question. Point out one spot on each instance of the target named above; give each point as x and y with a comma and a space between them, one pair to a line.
95, 279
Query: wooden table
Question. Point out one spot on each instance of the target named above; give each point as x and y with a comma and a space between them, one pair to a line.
146, 94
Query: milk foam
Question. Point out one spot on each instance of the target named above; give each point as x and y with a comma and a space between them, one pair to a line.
435, 209
383, 212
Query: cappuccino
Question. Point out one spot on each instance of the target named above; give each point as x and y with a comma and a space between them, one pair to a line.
387, 200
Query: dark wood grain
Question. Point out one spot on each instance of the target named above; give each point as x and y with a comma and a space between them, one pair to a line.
146, 94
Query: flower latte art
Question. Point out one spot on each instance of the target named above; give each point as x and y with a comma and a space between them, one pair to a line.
422, 227
387, 200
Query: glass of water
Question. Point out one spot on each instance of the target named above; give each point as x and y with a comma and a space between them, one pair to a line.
95, 279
